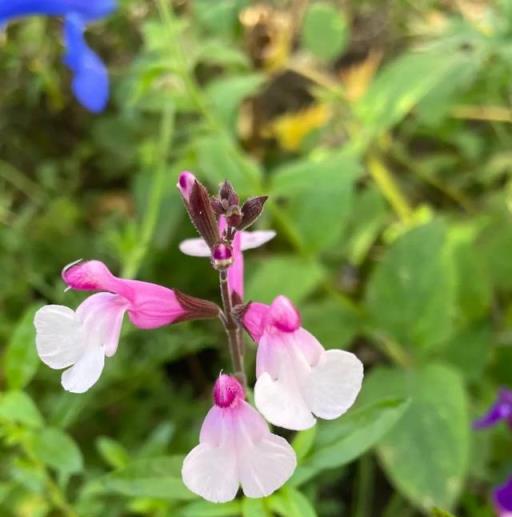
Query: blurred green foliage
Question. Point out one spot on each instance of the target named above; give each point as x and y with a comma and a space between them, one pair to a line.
381, 132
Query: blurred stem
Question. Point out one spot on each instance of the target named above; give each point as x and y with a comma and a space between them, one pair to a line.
364, 486
233, 331
389, 188
57, 496
397, 506
155, 196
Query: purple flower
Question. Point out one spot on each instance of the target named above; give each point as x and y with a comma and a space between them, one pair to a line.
500, 410
90, 77
502, 498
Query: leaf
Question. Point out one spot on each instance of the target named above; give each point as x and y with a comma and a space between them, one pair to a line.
334, 324
426, 456
21, 360
283, 274
324, 30
341, 441
112, 452
158, 478
289, 502
18, 408
227, 93
219, 160
254, 508
58, 450
437, 512
303, 441
205, 509
469, 351
411, 293
400, 86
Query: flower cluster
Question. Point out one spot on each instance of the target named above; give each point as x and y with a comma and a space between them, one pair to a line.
297, 380
90, 77
500, 411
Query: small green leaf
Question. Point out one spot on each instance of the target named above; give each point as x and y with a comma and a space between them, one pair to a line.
295, 276
426, 455
21, 360
289, 502
112, 452
254, 508
303, 441
325, 30
341, 441
18, 408
58, 450
411, 295
205, 509
158, 478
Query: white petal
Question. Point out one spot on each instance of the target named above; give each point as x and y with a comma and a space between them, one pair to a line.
266, 466
280, 402
334, 384
60, 340
250, 240
211, 472
86, 371
195, 248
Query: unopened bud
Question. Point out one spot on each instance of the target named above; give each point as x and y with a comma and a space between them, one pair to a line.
228, 193
222, 256
251, 210
227, 391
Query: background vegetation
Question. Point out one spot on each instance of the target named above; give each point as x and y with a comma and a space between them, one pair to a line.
381, 130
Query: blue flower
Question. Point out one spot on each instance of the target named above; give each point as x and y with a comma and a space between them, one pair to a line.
501, 410
90, 76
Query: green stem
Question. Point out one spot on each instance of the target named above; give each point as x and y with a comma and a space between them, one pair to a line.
364, 486
155, 197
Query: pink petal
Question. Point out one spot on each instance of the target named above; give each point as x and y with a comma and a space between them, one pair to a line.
90, 275
254, 319
283, 315
236, 270
250, 240
195, 248
186, 181
333, 384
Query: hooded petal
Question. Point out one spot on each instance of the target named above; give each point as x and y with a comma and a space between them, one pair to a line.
250, 240
86, 371
210, 469
333, 384
149, 305
60, 340
88, 9
195, 248
283, 315
90, 76
254, 319
265, 461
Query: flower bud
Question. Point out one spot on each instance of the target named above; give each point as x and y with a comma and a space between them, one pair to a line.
251, 210
198, 205
227, 391
222, 256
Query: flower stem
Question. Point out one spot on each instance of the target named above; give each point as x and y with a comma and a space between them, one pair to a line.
233, 330
155, 196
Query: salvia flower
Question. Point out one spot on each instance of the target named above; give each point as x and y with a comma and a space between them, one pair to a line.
501, 410
236, 449
80, 340
242, 241
90, 82
502, 499
297, 380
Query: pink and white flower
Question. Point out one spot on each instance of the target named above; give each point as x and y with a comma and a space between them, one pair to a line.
243, 241
80, 340
236, 449
297, 379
